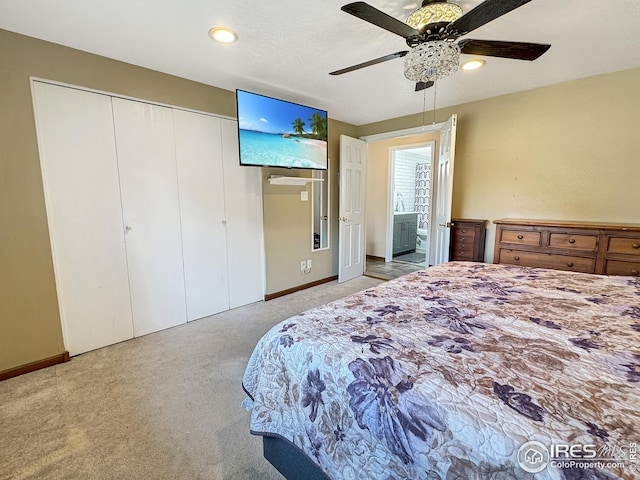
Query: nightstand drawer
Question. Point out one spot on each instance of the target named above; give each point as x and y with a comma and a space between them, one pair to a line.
462, 252
547, 260
615, 267
465, 231
578, 242
629, 246
521, 237
464, 238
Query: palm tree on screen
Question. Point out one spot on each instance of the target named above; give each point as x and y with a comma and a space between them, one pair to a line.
298, 126
319, 125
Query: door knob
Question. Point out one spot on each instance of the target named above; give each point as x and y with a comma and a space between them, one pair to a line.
128, 228
447, 225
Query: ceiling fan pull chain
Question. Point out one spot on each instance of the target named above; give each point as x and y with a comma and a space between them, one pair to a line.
424, 105
435, 90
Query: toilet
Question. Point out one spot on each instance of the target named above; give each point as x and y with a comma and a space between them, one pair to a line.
421, 240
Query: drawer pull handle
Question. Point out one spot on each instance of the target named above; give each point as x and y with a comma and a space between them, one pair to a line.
572, 240
636, 245
520, 237
516, 258
570, 264
634, 272
463, 231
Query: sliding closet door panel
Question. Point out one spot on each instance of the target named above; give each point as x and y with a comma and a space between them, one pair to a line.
204, 243
243, 204
148, 179
80, 175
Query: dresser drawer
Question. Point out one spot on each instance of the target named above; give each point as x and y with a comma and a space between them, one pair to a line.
520, 237
615, 267
468, 231
577, 242
464, 233
624, 245
547, 260
462, 252
460, 238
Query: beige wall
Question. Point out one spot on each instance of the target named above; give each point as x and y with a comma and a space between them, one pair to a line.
565, 152
378, 159
287, 223
30, 328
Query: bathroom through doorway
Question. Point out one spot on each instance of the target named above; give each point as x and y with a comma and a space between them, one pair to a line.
410, 203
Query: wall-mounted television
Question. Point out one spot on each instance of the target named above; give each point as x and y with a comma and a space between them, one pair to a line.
277, 133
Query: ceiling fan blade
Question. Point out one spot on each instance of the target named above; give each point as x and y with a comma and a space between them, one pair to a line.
494, 48
372, 15
423, 85
370, 62
484, 13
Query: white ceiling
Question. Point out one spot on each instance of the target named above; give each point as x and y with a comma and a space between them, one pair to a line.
286, 49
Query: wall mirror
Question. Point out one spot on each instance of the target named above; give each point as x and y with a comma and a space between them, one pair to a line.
320, 210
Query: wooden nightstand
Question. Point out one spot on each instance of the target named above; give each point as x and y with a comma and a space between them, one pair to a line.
467, 240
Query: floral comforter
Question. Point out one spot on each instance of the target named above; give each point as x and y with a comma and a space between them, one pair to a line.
445, 373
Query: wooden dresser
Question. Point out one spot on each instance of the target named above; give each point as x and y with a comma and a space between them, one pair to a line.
467, 240
603, 248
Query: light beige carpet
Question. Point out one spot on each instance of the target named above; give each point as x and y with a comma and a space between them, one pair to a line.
164, 406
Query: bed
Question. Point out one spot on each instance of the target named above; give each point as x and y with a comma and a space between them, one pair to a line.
446, 373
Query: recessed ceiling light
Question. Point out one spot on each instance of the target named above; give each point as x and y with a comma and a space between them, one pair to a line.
473, 64
223, 35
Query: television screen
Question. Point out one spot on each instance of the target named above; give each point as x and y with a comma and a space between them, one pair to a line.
276, 133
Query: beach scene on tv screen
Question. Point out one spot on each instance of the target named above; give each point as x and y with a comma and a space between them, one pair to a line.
281, 134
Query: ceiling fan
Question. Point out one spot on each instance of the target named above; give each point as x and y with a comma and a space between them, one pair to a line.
431, 33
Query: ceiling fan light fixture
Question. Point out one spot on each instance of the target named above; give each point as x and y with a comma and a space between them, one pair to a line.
431, 61
223, 35
472, 65
434, 13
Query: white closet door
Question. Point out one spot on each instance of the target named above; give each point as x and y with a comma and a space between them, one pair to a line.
204, 243
148, 179
80, 175
243, 205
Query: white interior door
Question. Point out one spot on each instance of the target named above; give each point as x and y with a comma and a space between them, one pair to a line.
444, 190
149, 185
80, 175
243, 208
353, 171
201, 186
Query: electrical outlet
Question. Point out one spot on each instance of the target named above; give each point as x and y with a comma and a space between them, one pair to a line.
309, 264
303, 265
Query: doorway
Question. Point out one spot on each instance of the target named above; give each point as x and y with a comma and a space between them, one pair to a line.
410, 197
380, 198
